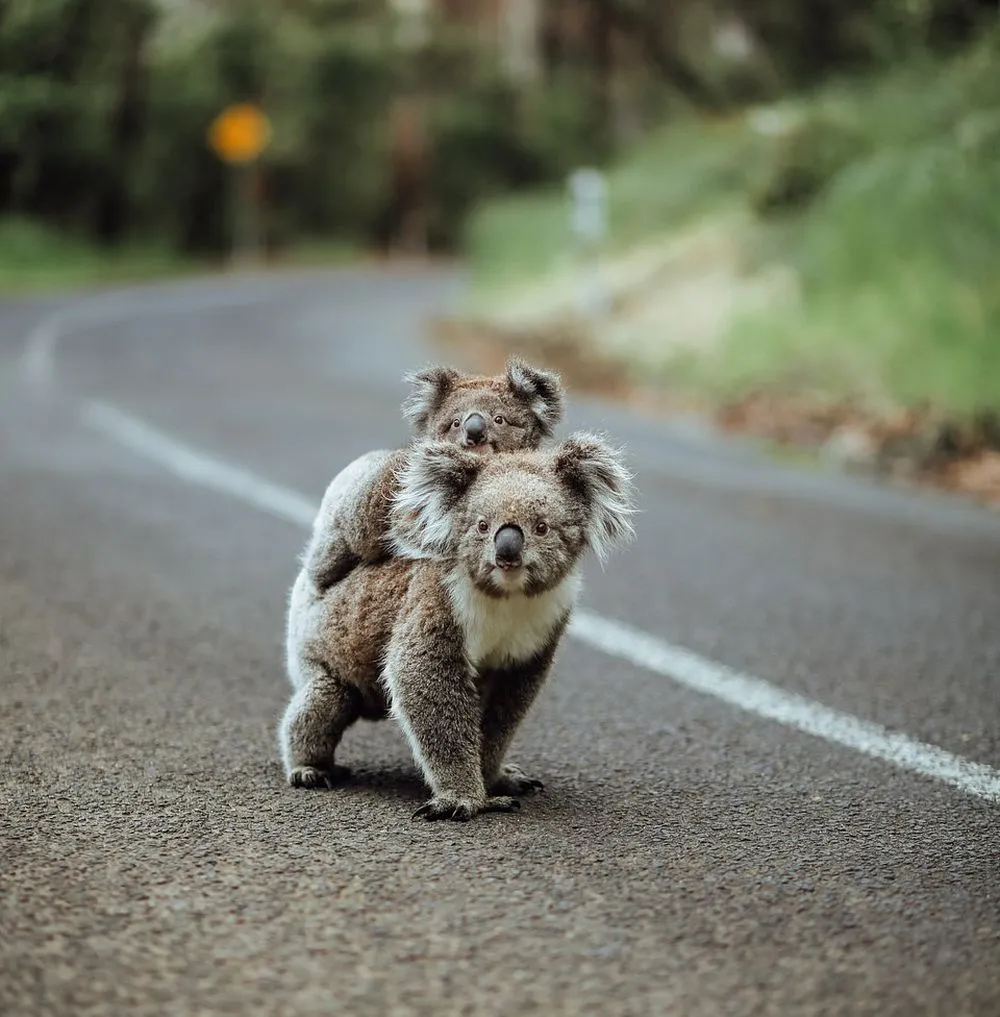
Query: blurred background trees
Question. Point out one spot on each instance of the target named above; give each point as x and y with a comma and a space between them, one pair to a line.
391, 118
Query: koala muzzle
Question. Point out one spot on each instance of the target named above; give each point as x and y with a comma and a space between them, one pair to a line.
475, 429
508, 543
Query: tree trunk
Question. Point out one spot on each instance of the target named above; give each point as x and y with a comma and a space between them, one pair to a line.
126, 132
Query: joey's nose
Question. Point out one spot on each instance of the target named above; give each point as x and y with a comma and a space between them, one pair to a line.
509, 543
475, 429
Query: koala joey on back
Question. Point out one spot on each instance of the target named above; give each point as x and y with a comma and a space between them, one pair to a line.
455, 633
508, 412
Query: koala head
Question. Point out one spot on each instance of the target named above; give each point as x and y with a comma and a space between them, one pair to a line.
517, 523
513, 410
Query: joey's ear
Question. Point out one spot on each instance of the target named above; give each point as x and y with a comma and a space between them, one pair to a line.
432, 480
595, 472
540, 390
430, 387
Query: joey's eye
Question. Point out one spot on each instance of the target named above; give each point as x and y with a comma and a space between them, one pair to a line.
498, 419
541, 528
456, 422
483, 526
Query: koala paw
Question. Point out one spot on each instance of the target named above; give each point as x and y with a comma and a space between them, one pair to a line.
514, 781
324, 575
312, 777
452, 806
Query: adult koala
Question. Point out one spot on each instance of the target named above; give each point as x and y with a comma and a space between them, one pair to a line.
455, 634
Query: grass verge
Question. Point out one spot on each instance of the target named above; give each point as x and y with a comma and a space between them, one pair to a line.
35, 258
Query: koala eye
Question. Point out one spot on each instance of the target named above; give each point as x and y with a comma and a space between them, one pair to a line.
498, 419
456, 422
483, 526
541, 527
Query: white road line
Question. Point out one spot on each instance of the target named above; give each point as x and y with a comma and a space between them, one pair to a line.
789, 708
611, 637
196, 468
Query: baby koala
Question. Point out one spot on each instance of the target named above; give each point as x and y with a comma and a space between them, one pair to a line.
454, 635
512, 411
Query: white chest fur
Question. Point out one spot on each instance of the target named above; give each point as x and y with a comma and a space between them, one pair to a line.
502, 631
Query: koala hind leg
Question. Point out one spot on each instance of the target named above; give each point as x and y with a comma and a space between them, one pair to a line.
329, 559
319, 713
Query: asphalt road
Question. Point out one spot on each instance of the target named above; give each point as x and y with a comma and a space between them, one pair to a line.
690, 854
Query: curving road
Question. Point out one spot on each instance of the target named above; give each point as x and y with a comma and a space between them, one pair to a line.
771, 744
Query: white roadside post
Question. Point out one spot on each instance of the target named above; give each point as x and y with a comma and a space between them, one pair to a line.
589, 222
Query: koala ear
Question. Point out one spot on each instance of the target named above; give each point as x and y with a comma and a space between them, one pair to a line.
430, 388
541, 390
432, 480
595, 472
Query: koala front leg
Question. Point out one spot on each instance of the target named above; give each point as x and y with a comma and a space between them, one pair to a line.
437, 704
510, 695
319, 713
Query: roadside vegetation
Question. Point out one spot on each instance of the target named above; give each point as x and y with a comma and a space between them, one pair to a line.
827, 262
105, 108
877, 200
35, 257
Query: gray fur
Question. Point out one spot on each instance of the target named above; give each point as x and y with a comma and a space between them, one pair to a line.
352, 524
441, 638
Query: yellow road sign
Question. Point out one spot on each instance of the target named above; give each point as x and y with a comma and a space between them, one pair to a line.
240, 133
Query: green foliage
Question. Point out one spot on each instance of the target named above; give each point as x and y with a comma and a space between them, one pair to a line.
239, 50
492, 140
899, 256
663, 184
804, 162
343, 175
890, 222
37, 257
60, 109
105, 105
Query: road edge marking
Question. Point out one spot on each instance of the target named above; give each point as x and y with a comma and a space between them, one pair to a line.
754, 695
614, 638
194, 467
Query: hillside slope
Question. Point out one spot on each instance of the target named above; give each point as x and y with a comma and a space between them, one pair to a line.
830, 263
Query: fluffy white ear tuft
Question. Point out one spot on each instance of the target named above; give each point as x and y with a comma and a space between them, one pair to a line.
595, 471
541, 390
432, 480
430, 387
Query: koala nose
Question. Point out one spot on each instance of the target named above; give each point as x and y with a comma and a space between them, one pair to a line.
509, 543
475, 429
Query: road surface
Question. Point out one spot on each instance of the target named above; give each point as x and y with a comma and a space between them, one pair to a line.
770, 745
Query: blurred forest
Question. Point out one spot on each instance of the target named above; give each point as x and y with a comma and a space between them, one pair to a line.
391, 118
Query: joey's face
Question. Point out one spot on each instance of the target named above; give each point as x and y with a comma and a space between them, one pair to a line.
521, 533
483, 419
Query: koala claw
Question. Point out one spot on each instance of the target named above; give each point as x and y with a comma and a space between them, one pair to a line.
502, 803
312, 777
514, 781
461, 810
